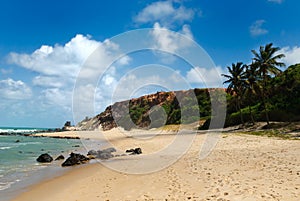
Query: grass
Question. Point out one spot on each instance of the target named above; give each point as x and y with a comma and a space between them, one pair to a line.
271, 133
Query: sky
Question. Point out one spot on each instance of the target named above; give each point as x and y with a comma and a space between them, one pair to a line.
64, 60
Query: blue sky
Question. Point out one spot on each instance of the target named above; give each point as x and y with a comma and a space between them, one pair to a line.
45, 44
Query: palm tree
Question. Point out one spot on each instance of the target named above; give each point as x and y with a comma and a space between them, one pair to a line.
236, 81
266, 61
251, 85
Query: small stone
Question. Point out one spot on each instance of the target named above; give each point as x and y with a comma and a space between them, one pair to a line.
60, 157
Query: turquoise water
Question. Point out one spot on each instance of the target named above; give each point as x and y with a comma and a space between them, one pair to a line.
18, 156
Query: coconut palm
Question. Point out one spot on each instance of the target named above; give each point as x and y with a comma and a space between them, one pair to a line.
236, 81
267, 62
251, 85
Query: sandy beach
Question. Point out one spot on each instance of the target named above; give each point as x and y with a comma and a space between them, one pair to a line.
241, 167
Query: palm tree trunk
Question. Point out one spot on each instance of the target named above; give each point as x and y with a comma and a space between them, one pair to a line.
266, 112
251, 115
240, 110
264, 101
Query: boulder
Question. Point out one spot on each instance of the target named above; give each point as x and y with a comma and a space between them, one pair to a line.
102, 154
92, 152
134, 151
105, 155
60, 157
137, 151
75, 159
44, 158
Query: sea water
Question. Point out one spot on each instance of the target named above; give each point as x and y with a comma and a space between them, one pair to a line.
18, 154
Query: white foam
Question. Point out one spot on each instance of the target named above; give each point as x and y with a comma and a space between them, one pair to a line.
4, 186
3, 148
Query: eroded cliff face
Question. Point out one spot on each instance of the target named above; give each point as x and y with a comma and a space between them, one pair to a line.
136, 113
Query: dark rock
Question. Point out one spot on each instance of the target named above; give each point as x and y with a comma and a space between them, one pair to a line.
75, 159
105, 155
102, 154
67, 124
60, 157
17, 141
92, 152
137, 150
134, 151
44, 158
129, 150
109, 150
76, 145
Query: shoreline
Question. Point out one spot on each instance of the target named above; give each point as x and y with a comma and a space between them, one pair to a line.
23, 170
241, 167
34, 178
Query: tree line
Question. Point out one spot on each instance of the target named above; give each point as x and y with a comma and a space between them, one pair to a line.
255, 83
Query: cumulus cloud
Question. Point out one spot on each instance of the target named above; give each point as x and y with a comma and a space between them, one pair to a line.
125, 60
59, 66
170, 41
140, 81
292, 55
256, 29
16, 90
166, 13
207, 77
48, 81
57, 60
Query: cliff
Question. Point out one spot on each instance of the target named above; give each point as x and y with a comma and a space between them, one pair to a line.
152, 110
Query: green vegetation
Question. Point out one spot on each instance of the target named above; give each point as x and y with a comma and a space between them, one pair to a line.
259, 91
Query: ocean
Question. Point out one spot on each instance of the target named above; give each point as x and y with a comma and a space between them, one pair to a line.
18, 154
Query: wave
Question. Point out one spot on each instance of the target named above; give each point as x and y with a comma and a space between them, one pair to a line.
6, 185
3, 148
11, 130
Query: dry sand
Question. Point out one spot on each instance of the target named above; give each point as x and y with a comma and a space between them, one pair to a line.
241, 167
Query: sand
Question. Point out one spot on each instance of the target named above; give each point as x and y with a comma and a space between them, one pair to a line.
241, 167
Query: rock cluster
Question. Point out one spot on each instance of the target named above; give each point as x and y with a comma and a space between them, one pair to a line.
102, 154
77, 159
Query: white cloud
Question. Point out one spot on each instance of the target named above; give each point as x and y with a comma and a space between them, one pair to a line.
17, 90
256, 29
166, 13
207, 77
170, 41
58, 97
58, 68
125, 60
292, 55
146, 80
276, 1
57, 60
48, 81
